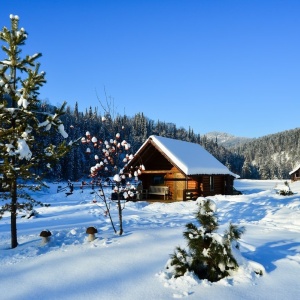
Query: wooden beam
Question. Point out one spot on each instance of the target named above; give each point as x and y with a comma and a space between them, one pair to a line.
159, 171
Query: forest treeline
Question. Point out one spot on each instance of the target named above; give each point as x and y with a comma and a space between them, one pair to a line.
268, 157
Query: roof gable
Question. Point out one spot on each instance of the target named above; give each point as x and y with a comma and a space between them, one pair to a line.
190, 158
295, 169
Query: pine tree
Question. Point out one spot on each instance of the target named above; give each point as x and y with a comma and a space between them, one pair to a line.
246, 169
209, 255
25, 153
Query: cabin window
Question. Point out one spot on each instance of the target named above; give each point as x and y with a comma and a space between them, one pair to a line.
297, 174
211, 182
157, 180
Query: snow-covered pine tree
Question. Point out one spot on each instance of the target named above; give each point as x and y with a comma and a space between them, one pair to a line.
76, 153
246, 169
209, 255
24, 147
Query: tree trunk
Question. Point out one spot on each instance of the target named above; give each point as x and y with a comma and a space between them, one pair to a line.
13, 187
120, 215
109, 215
13, 214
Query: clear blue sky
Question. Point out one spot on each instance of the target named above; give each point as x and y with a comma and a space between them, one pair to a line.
227, 65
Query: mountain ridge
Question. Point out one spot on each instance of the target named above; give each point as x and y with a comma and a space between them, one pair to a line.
226, 139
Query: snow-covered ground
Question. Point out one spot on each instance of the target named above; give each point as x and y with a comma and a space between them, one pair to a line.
132, 266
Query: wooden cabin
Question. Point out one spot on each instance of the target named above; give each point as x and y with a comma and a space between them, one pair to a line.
185, 169
295, 174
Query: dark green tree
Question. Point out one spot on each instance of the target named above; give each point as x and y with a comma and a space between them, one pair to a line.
208, 255
25, 151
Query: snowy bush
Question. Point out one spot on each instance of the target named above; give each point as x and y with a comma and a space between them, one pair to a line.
285, 190
209, 254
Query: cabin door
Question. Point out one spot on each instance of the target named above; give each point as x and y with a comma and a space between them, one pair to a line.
179, 186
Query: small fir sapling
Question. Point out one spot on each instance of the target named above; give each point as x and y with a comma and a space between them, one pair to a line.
286, 191
208, 254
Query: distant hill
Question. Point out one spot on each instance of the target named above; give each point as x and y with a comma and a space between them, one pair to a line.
227, 140
269, 157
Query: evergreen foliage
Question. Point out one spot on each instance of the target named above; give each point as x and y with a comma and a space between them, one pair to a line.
252, 160
209, 255
285, 191
269, 157
26, 131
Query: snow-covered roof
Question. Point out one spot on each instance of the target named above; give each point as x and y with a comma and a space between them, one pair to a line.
295, 169
191, 158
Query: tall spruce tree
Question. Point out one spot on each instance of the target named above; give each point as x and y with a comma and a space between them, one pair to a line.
25, 151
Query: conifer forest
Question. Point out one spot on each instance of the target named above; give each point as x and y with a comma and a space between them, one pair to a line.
269, 157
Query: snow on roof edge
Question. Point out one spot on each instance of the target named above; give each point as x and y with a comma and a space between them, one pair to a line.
204, 163
295, 169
